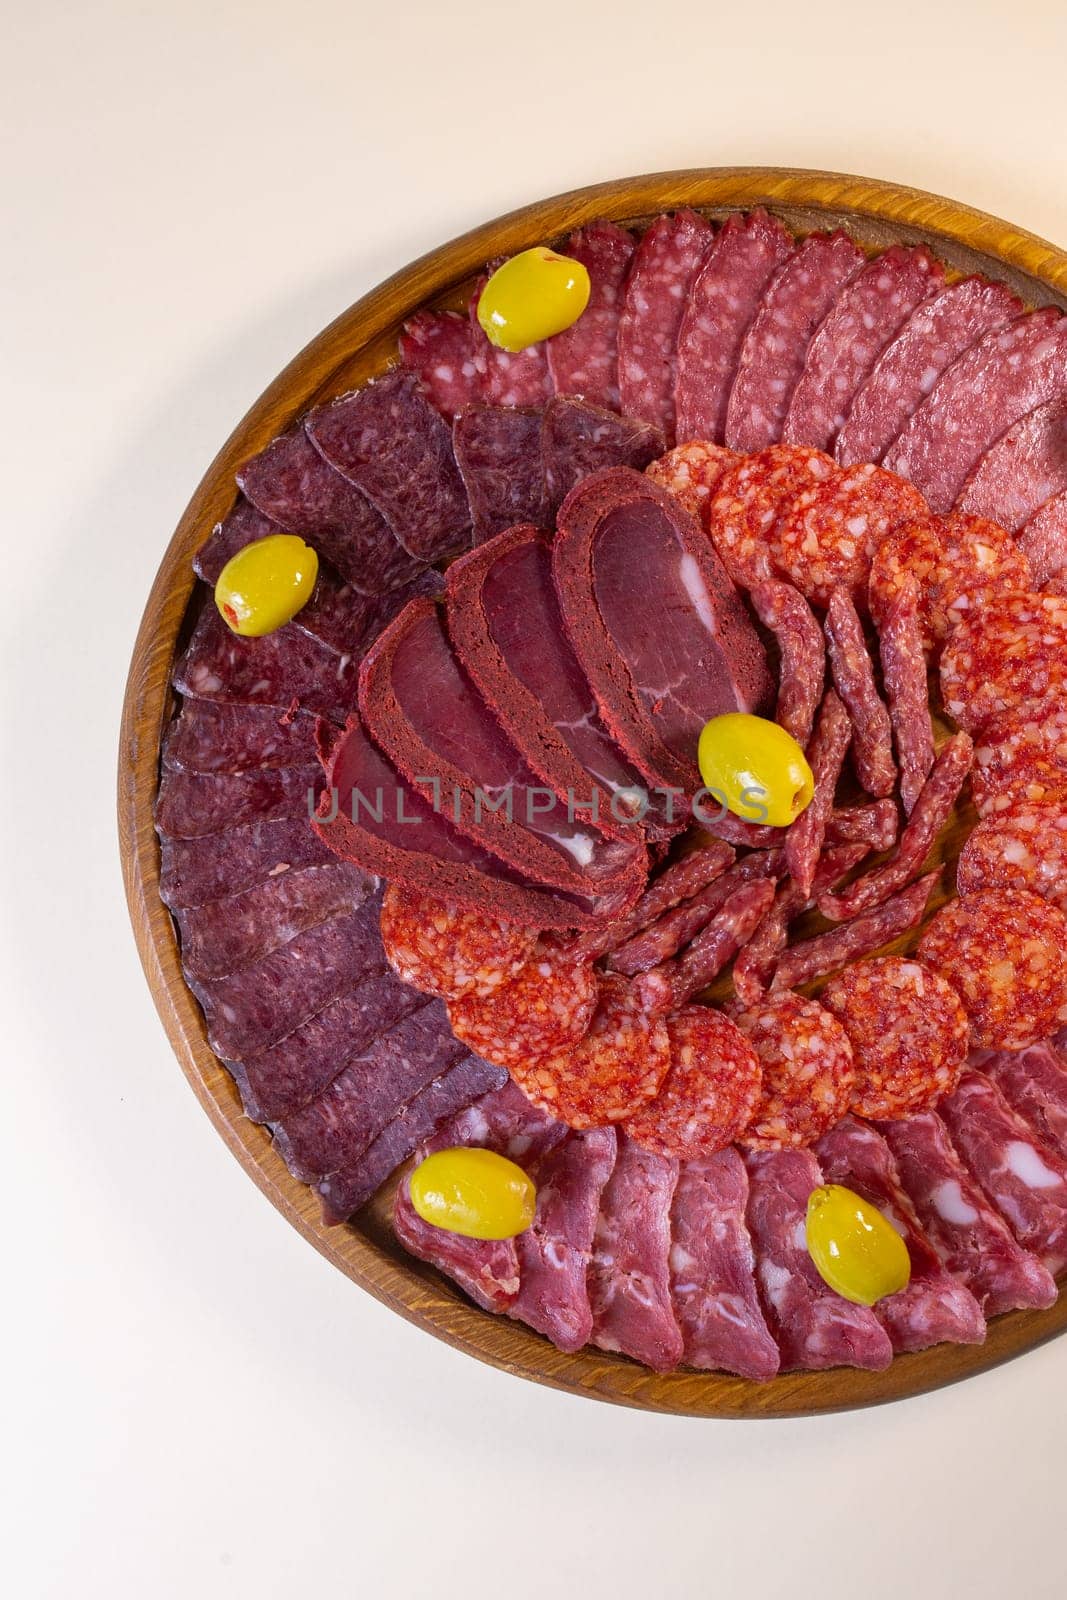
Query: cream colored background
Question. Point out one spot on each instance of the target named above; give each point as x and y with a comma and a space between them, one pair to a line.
196, 1404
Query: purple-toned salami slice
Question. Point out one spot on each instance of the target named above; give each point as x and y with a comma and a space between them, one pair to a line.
1010, 651
934, 1308
999, 379
291, 483
388, 440
664, 267
511, 377
692, 472
724, 298
938, 330
498, 449
194, 871
853, 675
1034, 1083
801, 655
813, 1327
864, 935
972, 1239
190, 804
826, 756
870, 310
244, 525
808, 1070
629, 1274
1024, 1178
829, 536
584, 358
1043, 540
287, 669
1023, 469
900, 640
578, 438
1024, 847
794, 304
713, 1284
211, 736
439, 347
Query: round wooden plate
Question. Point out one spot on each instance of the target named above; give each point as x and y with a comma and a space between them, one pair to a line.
360, 343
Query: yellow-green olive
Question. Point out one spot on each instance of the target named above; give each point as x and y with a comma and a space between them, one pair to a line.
531, 297
264, 585
855, 1249
756, 768
474, 1192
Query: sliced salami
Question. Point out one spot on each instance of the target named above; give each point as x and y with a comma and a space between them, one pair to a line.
447, 950
578, 439
1023, 469
671, 985
243, 526
1021, 758
512, 377
828, 538
808, 1070
900, 640
1043, 541
801, 655
584, 359
191, 804
629, 1274
286, 669
853, 675
195, 871
667, 261
1034, 1083
211, 736
691, 472
547, 1006
751, 501
498, 451
1013, 650
439, 347
1024, 847
958, 563
826, 756
710, 1092
826, 952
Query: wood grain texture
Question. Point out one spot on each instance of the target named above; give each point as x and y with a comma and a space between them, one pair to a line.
360, 343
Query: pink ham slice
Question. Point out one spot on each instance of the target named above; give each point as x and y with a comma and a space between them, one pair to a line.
726, 293
814, 1328
934, 1308
972, 1239
668, 259
439, 347
629, 1275
1023, 469
938, 331
657, 625
584, 358
713, 1285
794, 304
1034, 1083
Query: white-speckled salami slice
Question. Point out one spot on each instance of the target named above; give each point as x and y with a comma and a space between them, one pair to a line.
584, 358
1043, 540
808, 1070
511, 377
667, 261
439, 346
1023, 847
1013, 650
751, 501
1023, 469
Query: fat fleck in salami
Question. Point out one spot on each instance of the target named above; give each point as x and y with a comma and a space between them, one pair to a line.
692, 472
801, 655
829, 537
584, 358
1023, 469
749, 503
439, 346
904, 674
1013, 649
675, 982
547, 1006
711, 1089
1043, 541
1002, 951
1021, 758
861, 937
808, 1072
826, 756
512, 377
444, 949
671, 932
668, 259
754, 965
1025, 848
853, 675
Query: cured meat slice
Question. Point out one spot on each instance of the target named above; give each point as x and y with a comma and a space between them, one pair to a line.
1022, 848
1034, 1083
244, 525
1003, 953
211, 736
938, 330
1043, 540
934, 1308
512, 377
445, 950
870, 310
578, 438
958, 563
498, 450
908, 1032
754, 966
692, 472
664, 267
388, 440
900, 639
1023, 469
1001, 378
555, 1250
1024, 1178
194, 871
190, 804
682, 880
711, 1089
853, 675
713, 1285
659, 630
750, 502
629, 1274
801, 655
807, 1066
674, 929
971, 1238
1021, 756
861, 937
814, 1328
724, 298
504, 1121
674, 982
794, 304
584, 358
439, 347
1013, 650
828, 538
546, 1006
285, 669
348, 623
291, 483
826, 756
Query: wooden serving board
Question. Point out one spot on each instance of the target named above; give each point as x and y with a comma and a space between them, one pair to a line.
359, 344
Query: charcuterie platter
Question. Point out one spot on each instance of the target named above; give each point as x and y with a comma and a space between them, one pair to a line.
593, 792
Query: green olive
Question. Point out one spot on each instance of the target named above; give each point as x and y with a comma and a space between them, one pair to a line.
757, 768
855, 1249
474, 1192
531, 297
264, 585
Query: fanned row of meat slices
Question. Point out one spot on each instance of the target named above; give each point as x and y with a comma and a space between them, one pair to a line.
538, 666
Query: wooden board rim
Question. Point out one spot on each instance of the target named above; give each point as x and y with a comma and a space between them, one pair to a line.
356, 343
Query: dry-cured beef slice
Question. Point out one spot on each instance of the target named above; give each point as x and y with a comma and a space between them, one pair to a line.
578, 438
486, 1269
1043, 540
999, 379
243, 525
1021, 757
826, 755
498, 449
667, 261
829, 536
794, 304
1025, 1179
972, 1239
441, 349
752, 499
388, 440
754, 966
210, 736
934, 1308
423, 710
191, 804
1022, 847
225, 935
691, 472
629, 1274
674, 982
511, 377
807, 1066
853, 675
555, 1250
1011, 652
674, 928
584, 358
291, 483
254, 1008
679, 881
723, 300
801, 655
286, 668
194, 871
1024, 467
938, 330
900, 641
826, 952
445, 949
713, 1284
813, 1327
711, 1089
658, 628
1034, 1083
870, 310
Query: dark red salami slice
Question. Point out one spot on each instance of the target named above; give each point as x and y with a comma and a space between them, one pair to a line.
224, 935
1034, 1083
826, 756
870, 310
934, 1308
1013, 649
1023, 848
194, 871
853, 675
512, 377
725, 296
439, 347
674, 929
629, 1274
667, 261
713, 1285
286, 669
547, 1005
498, 449
801, 655
900, 639
826, 952
1043, 541
794, 304
348, 623
710, 1092
210, 736
807, 1067
243, 526
190, 804
938, 330
1023, 469
1002, 951
584, 358
444, 949
578, 438
750, 502
994, 383
668, 986
692, 472
828, 538
388, 440
971, 1238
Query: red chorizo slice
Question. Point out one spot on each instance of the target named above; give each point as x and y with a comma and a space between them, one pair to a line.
1024, 848
692, 472
750, 501
853, 675
709, 1093
448, 950
1021, 756
831, 533
808, 1072
1013, 649
546, 1006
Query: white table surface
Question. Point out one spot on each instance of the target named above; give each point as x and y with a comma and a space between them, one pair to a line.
195, 1403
